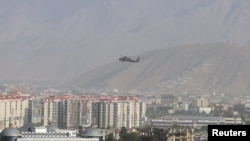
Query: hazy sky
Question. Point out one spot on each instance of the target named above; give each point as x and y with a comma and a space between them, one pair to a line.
55, 38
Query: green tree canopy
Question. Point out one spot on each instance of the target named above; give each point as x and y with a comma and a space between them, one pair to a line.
131, 137
123, 133
150, 138
110, 137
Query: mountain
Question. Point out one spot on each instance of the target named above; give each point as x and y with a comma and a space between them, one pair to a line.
60, 40
200, 68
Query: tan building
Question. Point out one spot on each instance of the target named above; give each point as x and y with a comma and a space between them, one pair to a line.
15, 110
202, 102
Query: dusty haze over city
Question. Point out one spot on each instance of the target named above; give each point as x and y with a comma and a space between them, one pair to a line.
62, 40
64, 71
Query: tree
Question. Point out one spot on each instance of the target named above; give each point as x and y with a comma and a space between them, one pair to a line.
150, 138
123, 133
131, 137
110, 137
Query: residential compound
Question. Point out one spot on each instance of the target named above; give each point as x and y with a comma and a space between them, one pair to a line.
15, 110
118, 112
70, 111
66, 111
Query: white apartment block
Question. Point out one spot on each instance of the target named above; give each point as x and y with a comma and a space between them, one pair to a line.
75, 111
66, 111
15, 110
104, 112
50, 111
116, 112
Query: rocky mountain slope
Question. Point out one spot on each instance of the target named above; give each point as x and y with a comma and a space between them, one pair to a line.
61, 39
200, 68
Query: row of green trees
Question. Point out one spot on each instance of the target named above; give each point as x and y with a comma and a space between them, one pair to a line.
133, 136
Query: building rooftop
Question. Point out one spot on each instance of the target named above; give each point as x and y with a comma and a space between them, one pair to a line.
190, 117
10, 132
92, 132
52, 128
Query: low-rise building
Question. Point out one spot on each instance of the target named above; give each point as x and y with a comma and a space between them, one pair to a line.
192, 121
43, 134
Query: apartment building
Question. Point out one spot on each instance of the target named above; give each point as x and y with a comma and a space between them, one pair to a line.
70, 111
168, 99
118, 111
50, 111
201, 102
66, 111
15, 110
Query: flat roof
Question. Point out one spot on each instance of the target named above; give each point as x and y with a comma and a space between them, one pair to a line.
190, 117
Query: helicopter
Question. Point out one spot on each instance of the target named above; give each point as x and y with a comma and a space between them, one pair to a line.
128, 59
